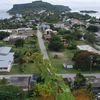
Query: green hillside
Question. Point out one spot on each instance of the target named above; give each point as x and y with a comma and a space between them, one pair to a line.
37, 6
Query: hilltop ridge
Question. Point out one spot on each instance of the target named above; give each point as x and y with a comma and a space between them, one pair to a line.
37, 6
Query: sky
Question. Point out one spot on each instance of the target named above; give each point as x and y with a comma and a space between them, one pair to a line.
74, 4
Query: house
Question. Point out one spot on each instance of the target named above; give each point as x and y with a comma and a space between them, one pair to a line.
48, 34
6, 30
59, 25
76, 21
20, 33
67, 66
13, 38
6, 59
23, 30
73, 21
44, 26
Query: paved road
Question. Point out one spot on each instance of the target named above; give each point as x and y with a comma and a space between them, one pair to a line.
97, 75
19, 75
42, 46
98, 33
63, 75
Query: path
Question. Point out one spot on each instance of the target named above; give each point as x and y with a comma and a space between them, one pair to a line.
42, 45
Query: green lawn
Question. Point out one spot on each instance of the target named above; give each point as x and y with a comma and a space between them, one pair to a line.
80, 42
29, 69
57, 62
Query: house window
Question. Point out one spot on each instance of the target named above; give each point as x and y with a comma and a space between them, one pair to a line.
5, 68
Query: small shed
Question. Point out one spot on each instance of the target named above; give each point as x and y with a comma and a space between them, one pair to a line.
67, 66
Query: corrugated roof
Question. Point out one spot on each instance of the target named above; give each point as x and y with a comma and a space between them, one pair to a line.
8, 57
5, 64
4, 50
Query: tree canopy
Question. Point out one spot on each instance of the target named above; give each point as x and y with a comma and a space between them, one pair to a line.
79, 81
19, 43
4, 35
84, 62
90, 37
9, 92
55, 44
93, 28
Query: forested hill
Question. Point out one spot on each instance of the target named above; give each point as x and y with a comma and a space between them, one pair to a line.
37, 6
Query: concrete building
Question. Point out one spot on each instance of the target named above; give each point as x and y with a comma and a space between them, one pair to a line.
20, 33
6, 59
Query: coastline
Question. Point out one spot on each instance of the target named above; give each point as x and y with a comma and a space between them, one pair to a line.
4, 14
97, 15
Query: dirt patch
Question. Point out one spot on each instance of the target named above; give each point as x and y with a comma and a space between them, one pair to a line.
81, 94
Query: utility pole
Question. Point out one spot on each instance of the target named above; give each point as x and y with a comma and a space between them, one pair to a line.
91, 62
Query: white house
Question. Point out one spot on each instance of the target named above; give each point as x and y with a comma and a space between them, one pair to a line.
6, 59
6, 30
59, 25
23, 30
44, 26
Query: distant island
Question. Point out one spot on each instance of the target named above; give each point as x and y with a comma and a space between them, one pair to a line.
88, 11
37, 6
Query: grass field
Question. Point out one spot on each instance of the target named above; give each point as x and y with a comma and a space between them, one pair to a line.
65, 56
29, 69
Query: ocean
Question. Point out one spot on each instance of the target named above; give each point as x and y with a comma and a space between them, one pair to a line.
97, 15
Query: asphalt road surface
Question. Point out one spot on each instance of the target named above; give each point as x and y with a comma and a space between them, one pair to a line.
42, 45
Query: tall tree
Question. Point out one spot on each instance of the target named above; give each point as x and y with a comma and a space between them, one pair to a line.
83, 60
9, 92
55, 44
90, 38
93, 28
80, 81
19, 43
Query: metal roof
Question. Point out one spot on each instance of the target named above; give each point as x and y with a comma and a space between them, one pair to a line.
4, 50
7, 30
8, 57
5, 64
